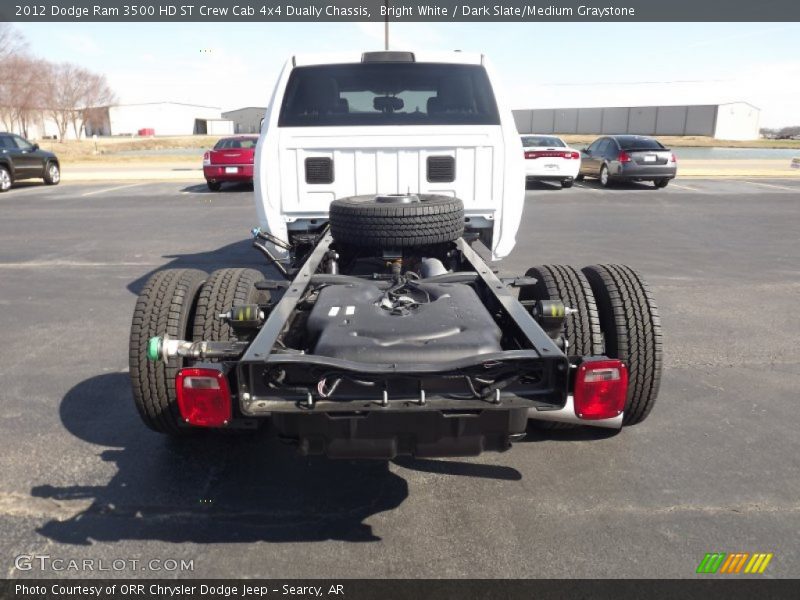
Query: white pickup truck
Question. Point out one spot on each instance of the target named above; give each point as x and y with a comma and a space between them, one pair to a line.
422, 123
380, 181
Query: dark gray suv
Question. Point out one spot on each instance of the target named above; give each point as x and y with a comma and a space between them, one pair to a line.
628, 158
20, 159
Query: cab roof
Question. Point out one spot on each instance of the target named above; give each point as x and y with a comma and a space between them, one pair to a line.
454, 57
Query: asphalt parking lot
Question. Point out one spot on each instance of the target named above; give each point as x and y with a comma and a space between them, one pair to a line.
716, 467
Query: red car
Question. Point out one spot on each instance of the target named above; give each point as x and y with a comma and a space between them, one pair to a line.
230, 160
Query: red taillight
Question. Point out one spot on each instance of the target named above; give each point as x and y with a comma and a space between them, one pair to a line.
600, 389
672, 158
550, 154
624, 157
204, 397
206, 159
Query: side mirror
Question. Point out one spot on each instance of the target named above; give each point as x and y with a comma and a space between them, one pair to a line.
35, 147
586, 151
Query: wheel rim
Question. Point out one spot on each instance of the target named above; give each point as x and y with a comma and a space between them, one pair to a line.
55, 175
604, 176
5, 180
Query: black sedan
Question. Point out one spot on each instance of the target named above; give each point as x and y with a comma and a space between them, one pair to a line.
20, 159
628, 158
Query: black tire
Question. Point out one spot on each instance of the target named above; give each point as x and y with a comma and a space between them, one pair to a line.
52, 173
214, 186
661, 183
607, 182
6, 180
581, 329
165, 306
632, 330
223, 289
567, 183
565, 283
363, 221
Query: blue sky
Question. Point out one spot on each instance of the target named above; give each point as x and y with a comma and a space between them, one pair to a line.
542, 65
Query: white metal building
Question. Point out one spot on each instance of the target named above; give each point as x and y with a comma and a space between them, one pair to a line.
247, 119
164, 118
41, 125
213, 126
728, 121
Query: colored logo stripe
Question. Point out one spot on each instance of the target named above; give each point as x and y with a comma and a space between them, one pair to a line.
711, 562
758, 563
734, 563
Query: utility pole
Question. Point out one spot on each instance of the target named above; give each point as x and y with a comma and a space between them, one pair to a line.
386, 25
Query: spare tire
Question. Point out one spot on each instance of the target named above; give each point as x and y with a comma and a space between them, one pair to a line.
396, 221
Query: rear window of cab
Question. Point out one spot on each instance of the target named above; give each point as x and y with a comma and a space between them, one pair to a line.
388, 94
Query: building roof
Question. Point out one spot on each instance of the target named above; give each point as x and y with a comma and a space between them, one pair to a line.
154, 103
739, 102
225, 112
642, 106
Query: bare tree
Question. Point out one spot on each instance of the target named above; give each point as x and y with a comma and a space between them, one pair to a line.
63, 95
12, 47
31, 88
24, 91
95, 93
788, 132
12, 41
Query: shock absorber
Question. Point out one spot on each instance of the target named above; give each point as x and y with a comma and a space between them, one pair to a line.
550, 315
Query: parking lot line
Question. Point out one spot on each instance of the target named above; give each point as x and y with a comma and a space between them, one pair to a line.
772, 185
48, 264
113, 189
684, 187
586, 187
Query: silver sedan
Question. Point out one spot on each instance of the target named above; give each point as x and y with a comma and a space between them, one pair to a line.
628, 158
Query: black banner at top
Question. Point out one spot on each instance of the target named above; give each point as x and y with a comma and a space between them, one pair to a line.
529, 11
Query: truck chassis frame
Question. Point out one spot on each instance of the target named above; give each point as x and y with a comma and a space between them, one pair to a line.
542, 356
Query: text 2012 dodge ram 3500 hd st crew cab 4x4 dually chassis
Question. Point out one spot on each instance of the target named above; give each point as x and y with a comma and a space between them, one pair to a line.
378, 179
